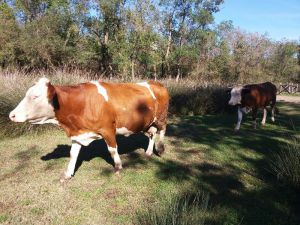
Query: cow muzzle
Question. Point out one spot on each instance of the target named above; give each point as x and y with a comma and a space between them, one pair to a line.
13, 117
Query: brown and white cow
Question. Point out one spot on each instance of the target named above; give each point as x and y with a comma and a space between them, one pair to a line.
95, 110
252, 97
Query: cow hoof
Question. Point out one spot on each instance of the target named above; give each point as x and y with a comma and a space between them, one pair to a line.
117, 172
118, 169
160, 148
263, 124
64, 177
236, 130
148, 155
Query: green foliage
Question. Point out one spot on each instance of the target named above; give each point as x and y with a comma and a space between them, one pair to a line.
140, 39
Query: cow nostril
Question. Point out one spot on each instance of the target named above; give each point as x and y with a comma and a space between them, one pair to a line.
12, 116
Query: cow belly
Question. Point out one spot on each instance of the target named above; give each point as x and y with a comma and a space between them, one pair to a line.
86, 138
123, 131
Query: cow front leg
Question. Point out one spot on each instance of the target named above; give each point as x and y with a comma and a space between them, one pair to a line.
75, 149
110, 139
152, 134
115, 156
240, 117
263, 122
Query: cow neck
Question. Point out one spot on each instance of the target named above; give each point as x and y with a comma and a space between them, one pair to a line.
60, 103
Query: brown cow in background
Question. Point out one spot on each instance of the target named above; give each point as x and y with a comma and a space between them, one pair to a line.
252, 97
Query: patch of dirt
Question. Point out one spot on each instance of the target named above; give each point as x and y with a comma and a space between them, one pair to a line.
287, 98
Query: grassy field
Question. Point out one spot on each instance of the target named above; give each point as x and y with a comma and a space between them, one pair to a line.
203, 154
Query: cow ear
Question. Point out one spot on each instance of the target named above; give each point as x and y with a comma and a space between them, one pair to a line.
51, 91
246, 91
52, 96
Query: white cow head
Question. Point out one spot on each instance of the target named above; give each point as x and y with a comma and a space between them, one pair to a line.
35, 106
236, 95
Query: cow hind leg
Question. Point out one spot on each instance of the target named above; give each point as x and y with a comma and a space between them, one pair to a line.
273, 108
161, 146
75, 149
152, 134
273, 114
254, 115
263, 122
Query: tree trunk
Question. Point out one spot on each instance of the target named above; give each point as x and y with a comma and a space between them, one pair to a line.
178, 74
169, 42
155, 72
132, 70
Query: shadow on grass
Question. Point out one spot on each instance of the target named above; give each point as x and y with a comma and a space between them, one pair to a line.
98, 148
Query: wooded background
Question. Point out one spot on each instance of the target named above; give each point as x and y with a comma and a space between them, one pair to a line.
140, 38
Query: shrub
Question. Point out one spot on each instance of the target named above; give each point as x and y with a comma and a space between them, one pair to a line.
188, 209
188, 98
285, 164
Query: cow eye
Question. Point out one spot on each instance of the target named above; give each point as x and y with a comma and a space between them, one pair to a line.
34, 97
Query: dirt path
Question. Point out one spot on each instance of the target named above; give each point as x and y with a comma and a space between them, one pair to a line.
287, 98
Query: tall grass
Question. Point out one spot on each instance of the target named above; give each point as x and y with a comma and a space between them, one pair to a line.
186, 209
285, 164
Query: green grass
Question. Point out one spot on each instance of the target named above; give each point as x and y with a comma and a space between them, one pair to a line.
203, 155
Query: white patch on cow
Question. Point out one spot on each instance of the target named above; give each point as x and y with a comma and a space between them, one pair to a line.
273, 113
145, 84
102, 91
43, 80
123, 131
35, 106
236, 96
86, 138
263, 122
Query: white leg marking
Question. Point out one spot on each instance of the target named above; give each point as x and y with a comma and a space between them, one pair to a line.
162, 135
102, 91
145, 84
149, 151
75, 149
240, 117
152, 131
263, 122
115, 155
273, 113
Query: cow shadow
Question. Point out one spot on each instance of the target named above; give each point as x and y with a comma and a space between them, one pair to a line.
98, 148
